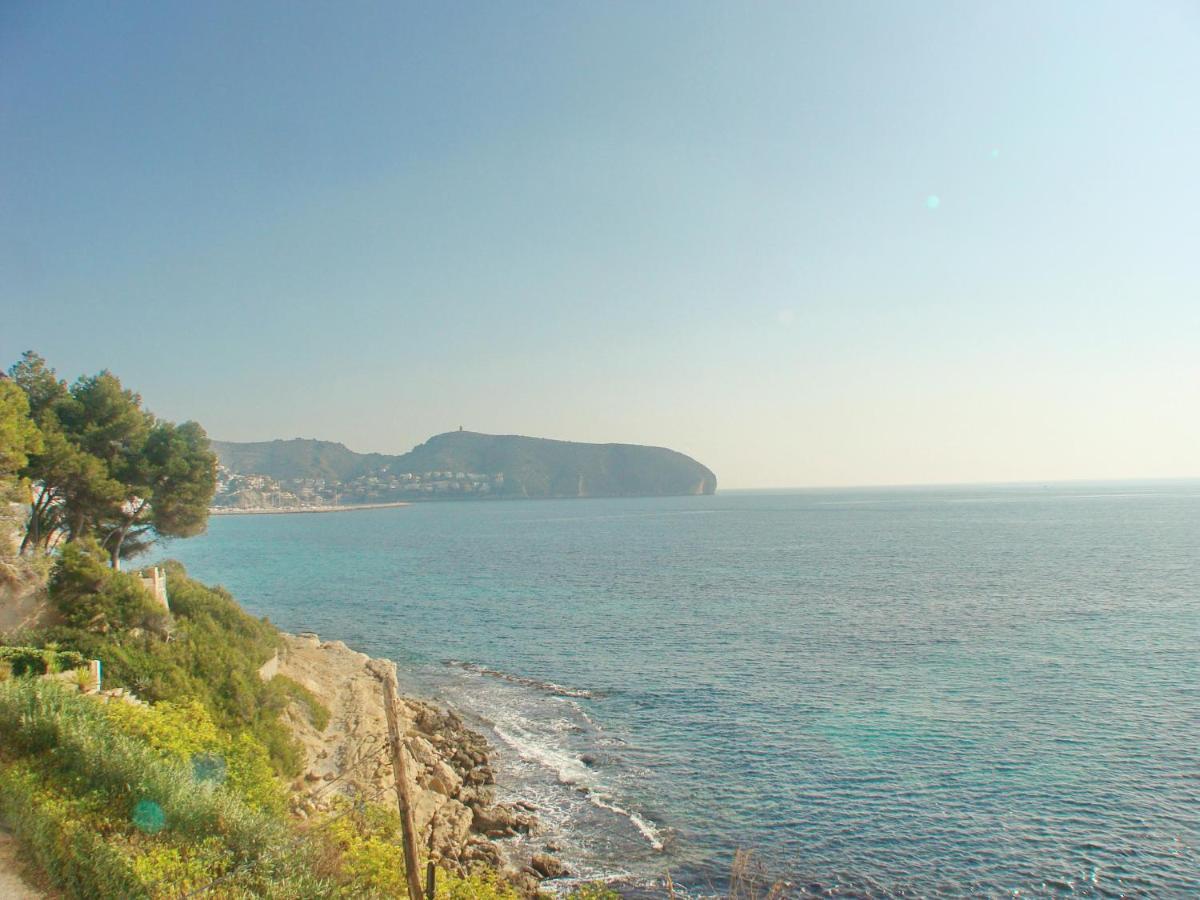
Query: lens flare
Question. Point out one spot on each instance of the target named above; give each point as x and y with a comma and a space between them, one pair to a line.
149, 817
208, 768
933, 201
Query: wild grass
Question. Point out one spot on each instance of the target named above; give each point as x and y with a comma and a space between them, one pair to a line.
318, 712
108, 815
212, 656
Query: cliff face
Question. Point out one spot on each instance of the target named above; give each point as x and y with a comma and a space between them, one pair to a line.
451, 781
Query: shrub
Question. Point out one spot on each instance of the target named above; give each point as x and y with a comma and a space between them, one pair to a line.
480, 885
186, 732
366, 838
213, 656
107, 814
92, 596
40, 660
595, 891
63, 840
318, 712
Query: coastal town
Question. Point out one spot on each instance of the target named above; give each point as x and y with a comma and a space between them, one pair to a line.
262, 492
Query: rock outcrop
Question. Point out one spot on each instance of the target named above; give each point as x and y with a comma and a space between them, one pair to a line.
451, 781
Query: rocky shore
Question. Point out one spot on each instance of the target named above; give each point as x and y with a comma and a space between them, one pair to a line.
452, 783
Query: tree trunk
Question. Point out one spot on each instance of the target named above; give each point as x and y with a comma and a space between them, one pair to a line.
121, 533
33, 538
30, 538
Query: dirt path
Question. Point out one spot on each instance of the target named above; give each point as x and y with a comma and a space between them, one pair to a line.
12, 885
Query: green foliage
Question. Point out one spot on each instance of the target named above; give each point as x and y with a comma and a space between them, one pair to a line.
75, 785
63, 836
318, 712
103, 466
180, 475
38, 382
213, 656
483, 884
594, 891
371, 859
19, 436
104, 419
40, 660
186, 731
369, 850
93, 597
71, 487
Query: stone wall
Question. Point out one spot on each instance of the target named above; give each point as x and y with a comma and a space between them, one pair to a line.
155, 581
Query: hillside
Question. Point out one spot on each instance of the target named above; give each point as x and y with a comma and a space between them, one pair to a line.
297, 458
456, 464
539, 467
216, 750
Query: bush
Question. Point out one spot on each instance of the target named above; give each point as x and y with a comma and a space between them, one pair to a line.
213, 656
40, 660
366, 839
92, 596
186, 732
106, 814
64, 841
318, 712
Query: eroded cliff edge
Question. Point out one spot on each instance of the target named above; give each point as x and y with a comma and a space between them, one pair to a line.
452, 783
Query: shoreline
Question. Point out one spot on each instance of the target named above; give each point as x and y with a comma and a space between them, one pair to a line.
450, 771
290, 510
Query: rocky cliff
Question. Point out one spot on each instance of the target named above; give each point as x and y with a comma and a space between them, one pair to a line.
450, 778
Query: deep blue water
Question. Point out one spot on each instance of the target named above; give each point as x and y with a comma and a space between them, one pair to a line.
960, 691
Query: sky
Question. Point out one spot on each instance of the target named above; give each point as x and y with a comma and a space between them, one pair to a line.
828, 243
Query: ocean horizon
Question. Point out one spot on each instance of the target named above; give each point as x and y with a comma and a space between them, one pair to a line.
881, 691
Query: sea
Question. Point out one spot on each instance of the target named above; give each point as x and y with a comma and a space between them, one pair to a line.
907, 692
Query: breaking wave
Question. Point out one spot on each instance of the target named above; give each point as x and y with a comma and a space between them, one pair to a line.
573, 771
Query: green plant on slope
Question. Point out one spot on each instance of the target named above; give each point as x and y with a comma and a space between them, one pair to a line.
318, 712
365, 838
40, 660
93, 597
212, 657
187, 733
71, 776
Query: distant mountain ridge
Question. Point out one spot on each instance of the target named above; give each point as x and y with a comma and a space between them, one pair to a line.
466, 463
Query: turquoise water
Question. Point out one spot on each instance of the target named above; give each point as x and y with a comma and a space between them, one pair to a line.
967, 691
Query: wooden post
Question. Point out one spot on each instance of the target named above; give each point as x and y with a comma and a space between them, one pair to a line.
430, 871
399, 770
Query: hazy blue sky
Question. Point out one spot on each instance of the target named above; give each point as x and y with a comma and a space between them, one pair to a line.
702, 225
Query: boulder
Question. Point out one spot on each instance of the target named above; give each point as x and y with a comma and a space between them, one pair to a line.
547, 866
501, 821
